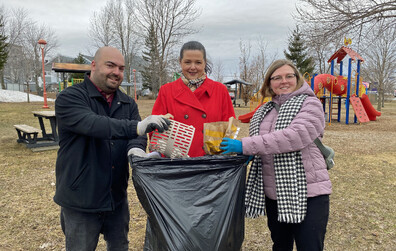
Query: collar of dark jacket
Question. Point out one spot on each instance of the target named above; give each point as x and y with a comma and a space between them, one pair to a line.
94, 93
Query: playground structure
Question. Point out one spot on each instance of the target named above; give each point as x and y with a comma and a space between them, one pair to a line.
334, 88
62, 84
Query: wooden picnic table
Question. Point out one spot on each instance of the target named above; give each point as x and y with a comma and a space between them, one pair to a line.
29, 135
50, 115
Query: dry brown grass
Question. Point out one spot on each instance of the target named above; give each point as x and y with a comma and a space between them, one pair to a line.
363, 202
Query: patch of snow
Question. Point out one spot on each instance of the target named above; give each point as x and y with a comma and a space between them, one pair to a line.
17, 96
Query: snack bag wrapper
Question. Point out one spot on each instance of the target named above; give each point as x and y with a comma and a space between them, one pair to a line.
215, 132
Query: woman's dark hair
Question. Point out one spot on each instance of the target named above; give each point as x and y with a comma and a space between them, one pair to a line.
195, 45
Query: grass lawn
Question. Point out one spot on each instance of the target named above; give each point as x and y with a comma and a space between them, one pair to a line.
362, 206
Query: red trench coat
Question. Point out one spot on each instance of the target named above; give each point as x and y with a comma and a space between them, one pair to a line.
209, 103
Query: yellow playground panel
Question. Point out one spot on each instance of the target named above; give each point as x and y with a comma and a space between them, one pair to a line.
257, 100
70, 83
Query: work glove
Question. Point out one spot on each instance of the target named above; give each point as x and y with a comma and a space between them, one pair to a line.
151, 123
140, 153
231, 146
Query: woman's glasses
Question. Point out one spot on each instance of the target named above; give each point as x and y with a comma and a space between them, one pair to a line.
288, 78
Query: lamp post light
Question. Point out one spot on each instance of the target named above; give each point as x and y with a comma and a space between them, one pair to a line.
134, 81
42, 44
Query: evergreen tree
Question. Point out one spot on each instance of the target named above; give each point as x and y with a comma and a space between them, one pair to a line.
298, 53
78, 60
3, 51
3, 44
150, 73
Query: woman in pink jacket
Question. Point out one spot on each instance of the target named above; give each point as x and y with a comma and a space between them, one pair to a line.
194, 99
288, 178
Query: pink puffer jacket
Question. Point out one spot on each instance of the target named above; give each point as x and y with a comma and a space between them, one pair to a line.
308, 124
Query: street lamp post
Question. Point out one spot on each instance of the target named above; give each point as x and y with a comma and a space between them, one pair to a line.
134, 81
42, 44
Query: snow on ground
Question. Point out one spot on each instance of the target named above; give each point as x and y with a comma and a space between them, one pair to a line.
17, 96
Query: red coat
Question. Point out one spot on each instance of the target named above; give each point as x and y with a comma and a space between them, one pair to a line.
209, 103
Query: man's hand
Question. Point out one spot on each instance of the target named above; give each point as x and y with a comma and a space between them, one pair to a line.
151, 123
231, 146
139, 152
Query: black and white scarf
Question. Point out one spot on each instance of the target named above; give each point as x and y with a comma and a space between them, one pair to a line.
291, 185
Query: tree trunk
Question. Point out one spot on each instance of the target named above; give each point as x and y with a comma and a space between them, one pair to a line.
2, 79
380, 95
28, 91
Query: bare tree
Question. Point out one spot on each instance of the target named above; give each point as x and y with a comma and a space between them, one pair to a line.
115, 25
253, 68
23, 35
32, 35
261, 62
125, 25
14, 26
101, 27
244, 59
380, 62
172, 21
218, 71
326, 23
341, 16
246, 69
320, 47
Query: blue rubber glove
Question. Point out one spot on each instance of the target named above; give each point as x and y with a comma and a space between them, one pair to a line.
231, 146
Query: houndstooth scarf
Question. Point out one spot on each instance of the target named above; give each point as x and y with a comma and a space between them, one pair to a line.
291, 185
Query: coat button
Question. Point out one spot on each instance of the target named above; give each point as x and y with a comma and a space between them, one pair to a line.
186, 116
204, 116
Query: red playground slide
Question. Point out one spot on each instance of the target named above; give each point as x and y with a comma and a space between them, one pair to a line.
370, 110
245, 118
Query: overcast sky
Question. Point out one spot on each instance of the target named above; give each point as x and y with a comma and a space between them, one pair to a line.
223, 24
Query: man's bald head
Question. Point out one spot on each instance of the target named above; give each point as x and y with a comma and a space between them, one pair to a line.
103, 51
107, 69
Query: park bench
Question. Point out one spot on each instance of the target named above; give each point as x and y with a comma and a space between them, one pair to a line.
27, 134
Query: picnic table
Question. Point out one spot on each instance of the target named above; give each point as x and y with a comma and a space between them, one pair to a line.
30, 135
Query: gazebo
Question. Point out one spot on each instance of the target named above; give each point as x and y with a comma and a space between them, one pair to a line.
236, 82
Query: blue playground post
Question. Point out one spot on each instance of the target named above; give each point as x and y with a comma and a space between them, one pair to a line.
357, 83
313, 82
339, 98
348, 92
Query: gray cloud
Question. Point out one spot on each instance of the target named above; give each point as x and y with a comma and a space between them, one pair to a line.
222, 24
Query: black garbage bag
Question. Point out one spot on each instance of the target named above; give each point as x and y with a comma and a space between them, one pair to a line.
192, 204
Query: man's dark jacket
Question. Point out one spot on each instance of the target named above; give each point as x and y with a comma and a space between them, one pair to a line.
92, 168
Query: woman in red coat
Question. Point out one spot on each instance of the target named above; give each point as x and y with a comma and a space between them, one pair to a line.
194, 99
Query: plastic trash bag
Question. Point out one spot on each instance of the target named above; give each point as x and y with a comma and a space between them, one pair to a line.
192, 203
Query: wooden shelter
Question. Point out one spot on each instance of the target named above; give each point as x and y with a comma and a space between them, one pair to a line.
70, 68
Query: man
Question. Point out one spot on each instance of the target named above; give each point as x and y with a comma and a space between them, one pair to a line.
98, 125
